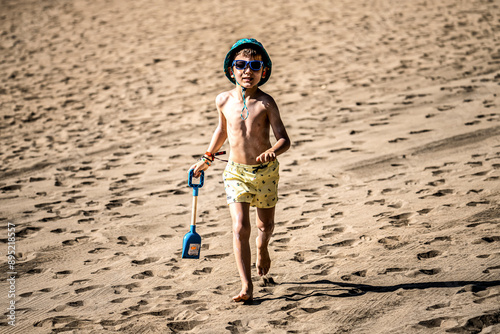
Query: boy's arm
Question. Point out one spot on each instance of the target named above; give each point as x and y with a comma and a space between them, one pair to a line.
220, 134
282, 140
218, 138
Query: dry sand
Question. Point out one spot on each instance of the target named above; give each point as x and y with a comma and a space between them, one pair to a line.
389, 213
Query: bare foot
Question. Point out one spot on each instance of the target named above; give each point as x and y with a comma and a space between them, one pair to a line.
263, 263
242, 297
246, 293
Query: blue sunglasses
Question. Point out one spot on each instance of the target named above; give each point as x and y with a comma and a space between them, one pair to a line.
255, 65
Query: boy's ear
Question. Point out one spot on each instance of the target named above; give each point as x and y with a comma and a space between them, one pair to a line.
264, 72
231, 72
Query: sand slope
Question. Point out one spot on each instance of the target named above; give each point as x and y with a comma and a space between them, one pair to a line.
388, 220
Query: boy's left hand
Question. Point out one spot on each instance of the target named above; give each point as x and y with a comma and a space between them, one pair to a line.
267, 156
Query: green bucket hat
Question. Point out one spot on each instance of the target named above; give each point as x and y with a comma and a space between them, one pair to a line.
247, 43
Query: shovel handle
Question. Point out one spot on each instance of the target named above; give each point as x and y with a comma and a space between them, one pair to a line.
195, 186
193, 211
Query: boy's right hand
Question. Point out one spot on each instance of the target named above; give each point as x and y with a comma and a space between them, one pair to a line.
198, 167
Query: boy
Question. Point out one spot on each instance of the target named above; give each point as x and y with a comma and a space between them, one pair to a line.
246, 114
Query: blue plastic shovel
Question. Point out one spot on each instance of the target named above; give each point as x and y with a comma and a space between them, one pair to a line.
192, 240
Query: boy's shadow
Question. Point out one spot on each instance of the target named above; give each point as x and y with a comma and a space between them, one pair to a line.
304, 290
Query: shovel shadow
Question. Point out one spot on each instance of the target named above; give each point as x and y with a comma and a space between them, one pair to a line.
326, 288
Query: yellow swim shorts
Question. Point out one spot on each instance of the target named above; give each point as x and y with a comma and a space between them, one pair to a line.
254, 184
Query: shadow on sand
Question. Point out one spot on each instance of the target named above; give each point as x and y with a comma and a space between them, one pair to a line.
326, 288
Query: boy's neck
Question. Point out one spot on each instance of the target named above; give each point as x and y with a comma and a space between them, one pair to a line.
248, 91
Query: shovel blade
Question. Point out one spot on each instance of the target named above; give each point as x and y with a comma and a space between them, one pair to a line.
191, 246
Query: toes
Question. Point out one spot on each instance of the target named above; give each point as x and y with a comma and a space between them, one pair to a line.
242, 297
263, 271
263, 267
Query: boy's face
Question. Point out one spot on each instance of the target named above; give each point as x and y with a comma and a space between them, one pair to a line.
247, 77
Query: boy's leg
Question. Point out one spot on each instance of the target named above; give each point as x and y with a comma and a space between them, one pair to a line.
240, 214
265, 224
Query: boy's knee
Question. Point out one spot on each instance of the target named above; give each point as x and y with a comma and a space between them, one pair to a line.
241, 230
266, 227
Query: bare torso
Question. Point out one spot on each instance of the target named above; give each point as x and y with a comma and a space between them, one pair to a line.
247, 138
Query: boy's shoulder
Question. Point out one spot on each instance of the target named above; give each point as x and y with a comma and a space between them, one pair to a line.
263, 97
266, 100
223, 97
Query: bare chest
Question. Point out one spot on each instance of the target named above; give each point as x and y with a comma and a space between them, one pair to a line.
249, 119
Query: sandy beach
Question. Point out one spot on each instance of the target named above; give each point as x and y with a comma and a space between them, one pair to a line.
388, 218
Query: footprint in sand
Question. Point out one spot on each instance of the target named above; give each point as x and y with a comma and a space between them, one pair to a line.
419, 131
397, 140
399, 220
114, 204
138, 201
428, 255
182, 326
476, 203
392, 242
402, 219
310, 310
475, 191
361, 273
299, 257
436, 322
87, 288
490, 239
34, 271
417, 272
437, 182
79, 282
100, 270
185, 294
27, 232
118, 289
333, 230
123, 240
62, 322
489, 295
31, 293
344, 243
98, 250
75, 241
279, 242
11, 188
475, 163
439, 193
118, 300
297, 227
145, 261
216, 256
376, 202
135, 308
396, 205
278, 324
204, 271
438, 306
62, 274
438, 239
478, 323
494, 269
393, 270
60, 308
143, 275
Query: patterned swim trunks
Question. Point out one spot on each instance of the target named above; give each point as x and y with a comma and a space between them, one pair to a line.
254, 184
